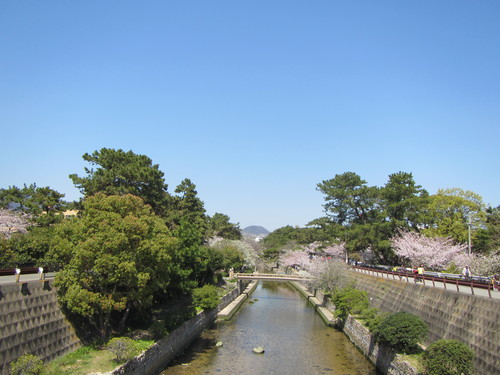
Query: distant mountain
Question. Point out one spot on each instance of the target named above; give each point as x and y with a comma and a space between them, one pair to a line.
255, 230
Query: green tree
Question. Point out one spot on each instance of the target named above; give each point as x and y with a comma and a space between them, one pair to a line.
349, 199
116, 256
118, 173
487, 240
188, 206
232, 257
220, 226
451, 210
42, 203
33, 246
404, 202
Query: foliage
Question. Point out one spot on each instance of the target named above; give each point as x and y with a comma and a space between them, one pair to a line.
372, 318
402, 331
158, 330
348, 198
187, 206
43, 204
120, 173
367, 216
220, 226
232, 257
451, 210
448, 357
487, 240
349, 301
404, 202
33, 246
176, 318
434, 253
122, 347
28, 364
206, 297
116, 256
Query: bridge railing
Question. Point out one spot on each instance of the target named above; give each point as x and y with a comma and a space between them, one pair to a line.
275, 276
430, 278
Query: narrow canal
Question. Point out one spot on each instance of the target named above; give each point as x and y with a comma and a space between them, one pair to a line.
295, 339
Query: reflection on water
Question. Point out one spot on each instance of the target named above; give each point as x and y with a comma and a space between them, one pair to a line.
295, 339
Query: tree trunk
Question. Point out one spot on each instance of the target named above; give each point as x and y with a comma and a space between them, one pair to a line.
121, 326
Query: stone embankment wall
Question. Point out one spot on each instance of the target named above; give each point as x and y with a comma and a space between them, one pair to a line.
382, 357
470, 319
158, 356
386, 361
32, 322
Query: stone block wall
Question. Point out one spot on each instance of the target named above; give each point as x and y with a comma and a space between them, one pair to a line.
158, 356
32, 322
470, 319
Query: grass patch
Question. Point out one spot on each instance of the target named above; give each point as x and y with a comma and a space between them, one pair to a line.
415, 361
88, 359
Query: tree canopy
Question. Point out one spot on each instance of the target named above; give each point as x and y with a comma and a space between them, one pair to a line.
116, 256
118, 173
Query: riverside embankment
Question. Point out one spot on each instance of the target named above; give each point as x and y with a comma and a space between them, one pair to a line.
470, 319
32, 322
158, 356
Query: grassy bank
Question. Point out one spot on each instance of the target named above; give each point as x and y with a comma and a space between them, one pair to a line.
89, 360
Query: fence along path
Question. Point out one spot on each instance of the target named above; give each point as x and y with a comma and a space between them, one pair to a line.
272, 277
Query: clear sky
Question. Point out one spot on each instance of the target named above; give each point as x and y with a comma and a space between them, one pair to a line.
255, 101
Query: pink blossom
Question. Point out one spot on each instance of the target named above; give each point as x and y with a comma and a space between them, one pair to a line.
434, 253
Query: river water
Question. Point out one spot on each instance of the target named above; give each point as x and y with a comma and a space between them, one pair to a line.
295, 339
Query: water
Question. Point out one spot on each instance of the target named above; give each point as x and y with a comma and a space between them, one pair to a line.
295, 339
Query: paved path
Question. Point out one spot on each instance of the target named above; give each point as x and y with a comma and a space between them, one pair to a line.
24, 278
480, 292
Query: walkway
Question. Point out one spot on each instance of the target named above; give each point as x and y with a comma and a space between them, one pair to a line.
271, 277
451, 285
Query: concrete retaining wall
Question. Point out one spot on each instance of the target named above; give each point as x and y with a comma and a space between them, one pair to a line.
158, 356
470, 319
32, 322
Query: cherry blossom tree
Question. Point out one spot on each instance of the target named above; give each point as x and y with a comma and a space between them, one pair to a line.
434, 253
479, 265
336, 250
296, 258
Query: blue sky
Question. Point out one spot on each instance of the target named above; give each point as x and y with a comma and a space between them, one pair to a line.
258, 101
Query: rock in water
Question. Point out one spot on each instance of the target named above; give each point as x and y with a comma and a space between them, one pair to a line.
258, 350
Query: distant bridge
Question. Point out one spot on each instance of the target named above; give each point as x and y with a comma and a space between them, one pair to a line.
272, 277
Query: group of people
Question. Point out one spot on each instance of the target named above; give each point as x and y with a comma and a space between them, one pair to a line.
420, 270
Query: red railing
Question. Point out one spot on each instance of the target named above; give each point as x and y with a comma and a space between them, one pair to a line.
423, 278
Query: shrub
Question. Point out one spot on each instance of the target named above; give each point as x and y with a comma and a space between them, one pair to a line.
122, 347
27, 364
448, 357
206, 297
372, 318
158, 330
349, 301
402, 331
